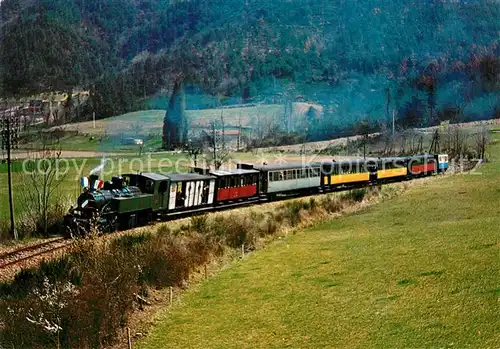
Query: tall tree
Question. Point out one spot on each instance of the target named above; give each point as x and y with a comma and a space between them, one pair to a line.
175, 123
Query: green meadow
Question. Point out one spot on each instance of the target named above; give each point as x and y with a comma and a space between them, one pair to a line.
419, 271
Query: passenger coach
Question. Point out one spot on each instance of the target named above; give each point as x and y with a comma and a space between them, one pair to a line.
350, 172
288, 177
234, 184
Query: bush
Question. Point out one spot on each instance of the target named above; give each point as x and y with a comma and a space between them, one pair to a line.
166, 261
200, 224
80, 300
356, 195
33, 223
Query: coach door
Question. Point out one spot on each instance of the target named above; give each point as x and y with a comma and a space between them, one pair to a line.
371, 167
175, 193
211, 192
163, 195
264, 181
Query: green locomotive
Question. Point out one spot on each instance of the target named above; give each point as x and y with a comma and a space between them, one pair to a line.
137, 199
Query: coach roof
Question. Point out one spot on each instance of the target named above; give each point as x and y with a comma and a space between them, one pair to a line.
291, 166
233, 172
181, 177
151, 175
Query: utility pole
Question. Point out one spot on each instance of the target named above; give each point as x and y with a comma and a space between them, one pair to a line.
239, 133
393, 122
10, 132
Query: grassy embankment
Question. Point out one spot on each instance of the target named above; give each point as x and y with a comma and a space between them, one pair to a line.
419, 271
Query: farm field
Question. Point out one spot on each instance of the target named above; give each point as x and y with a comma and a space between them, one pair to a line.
418, 271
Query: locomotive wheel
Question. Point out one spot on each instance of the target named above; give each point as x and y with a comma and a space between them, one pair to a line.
69, 232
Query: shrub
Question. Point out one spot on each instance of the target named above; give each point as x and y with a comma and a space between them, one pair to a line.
169, 260
331, 204
80, 300
356, 195
291, 212
239, 232
200, 224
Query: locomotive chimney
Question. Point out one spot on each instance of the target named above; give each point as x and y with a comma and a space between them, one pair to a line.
92, 179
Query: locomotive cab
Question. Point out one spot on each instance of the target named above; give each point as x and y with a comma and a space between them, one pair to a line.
442, 163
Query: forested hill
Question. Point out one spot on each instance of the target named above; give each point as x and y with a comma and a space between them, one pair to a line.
124, 50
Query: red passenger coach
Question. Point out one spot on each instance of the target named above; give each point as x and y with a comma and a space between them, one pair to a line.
417, 169
236, 184
421, 165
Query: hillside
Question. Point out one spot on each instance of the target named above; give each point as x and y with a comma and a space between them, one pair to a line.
435, 58
420, 270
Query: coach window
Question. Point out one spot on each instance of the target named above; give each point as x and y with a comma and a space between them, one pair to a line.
335, 169
242, 181
149, 186
163, 187
345, 169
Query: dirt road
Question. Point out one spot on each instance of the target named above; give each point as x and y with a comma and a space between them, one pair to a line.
23, 154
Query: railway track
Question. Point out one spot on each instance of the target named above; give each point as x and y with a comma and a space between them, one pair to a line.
25, 253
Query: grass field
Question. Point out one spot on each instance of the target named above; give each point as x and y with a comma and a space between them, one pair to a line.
421, 271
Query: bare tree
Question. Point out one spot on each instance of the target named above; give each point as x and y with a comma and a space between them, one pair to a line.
42, 175
480, 142
435, 143
456, 141
194, 148
388, 143
219, 153
363, 129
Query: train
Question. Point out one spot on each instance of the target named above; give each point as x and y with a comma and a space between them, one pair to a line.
139, 199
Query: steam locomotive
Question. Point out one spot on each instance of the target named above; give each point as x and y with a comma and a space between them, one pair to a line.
134, 200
